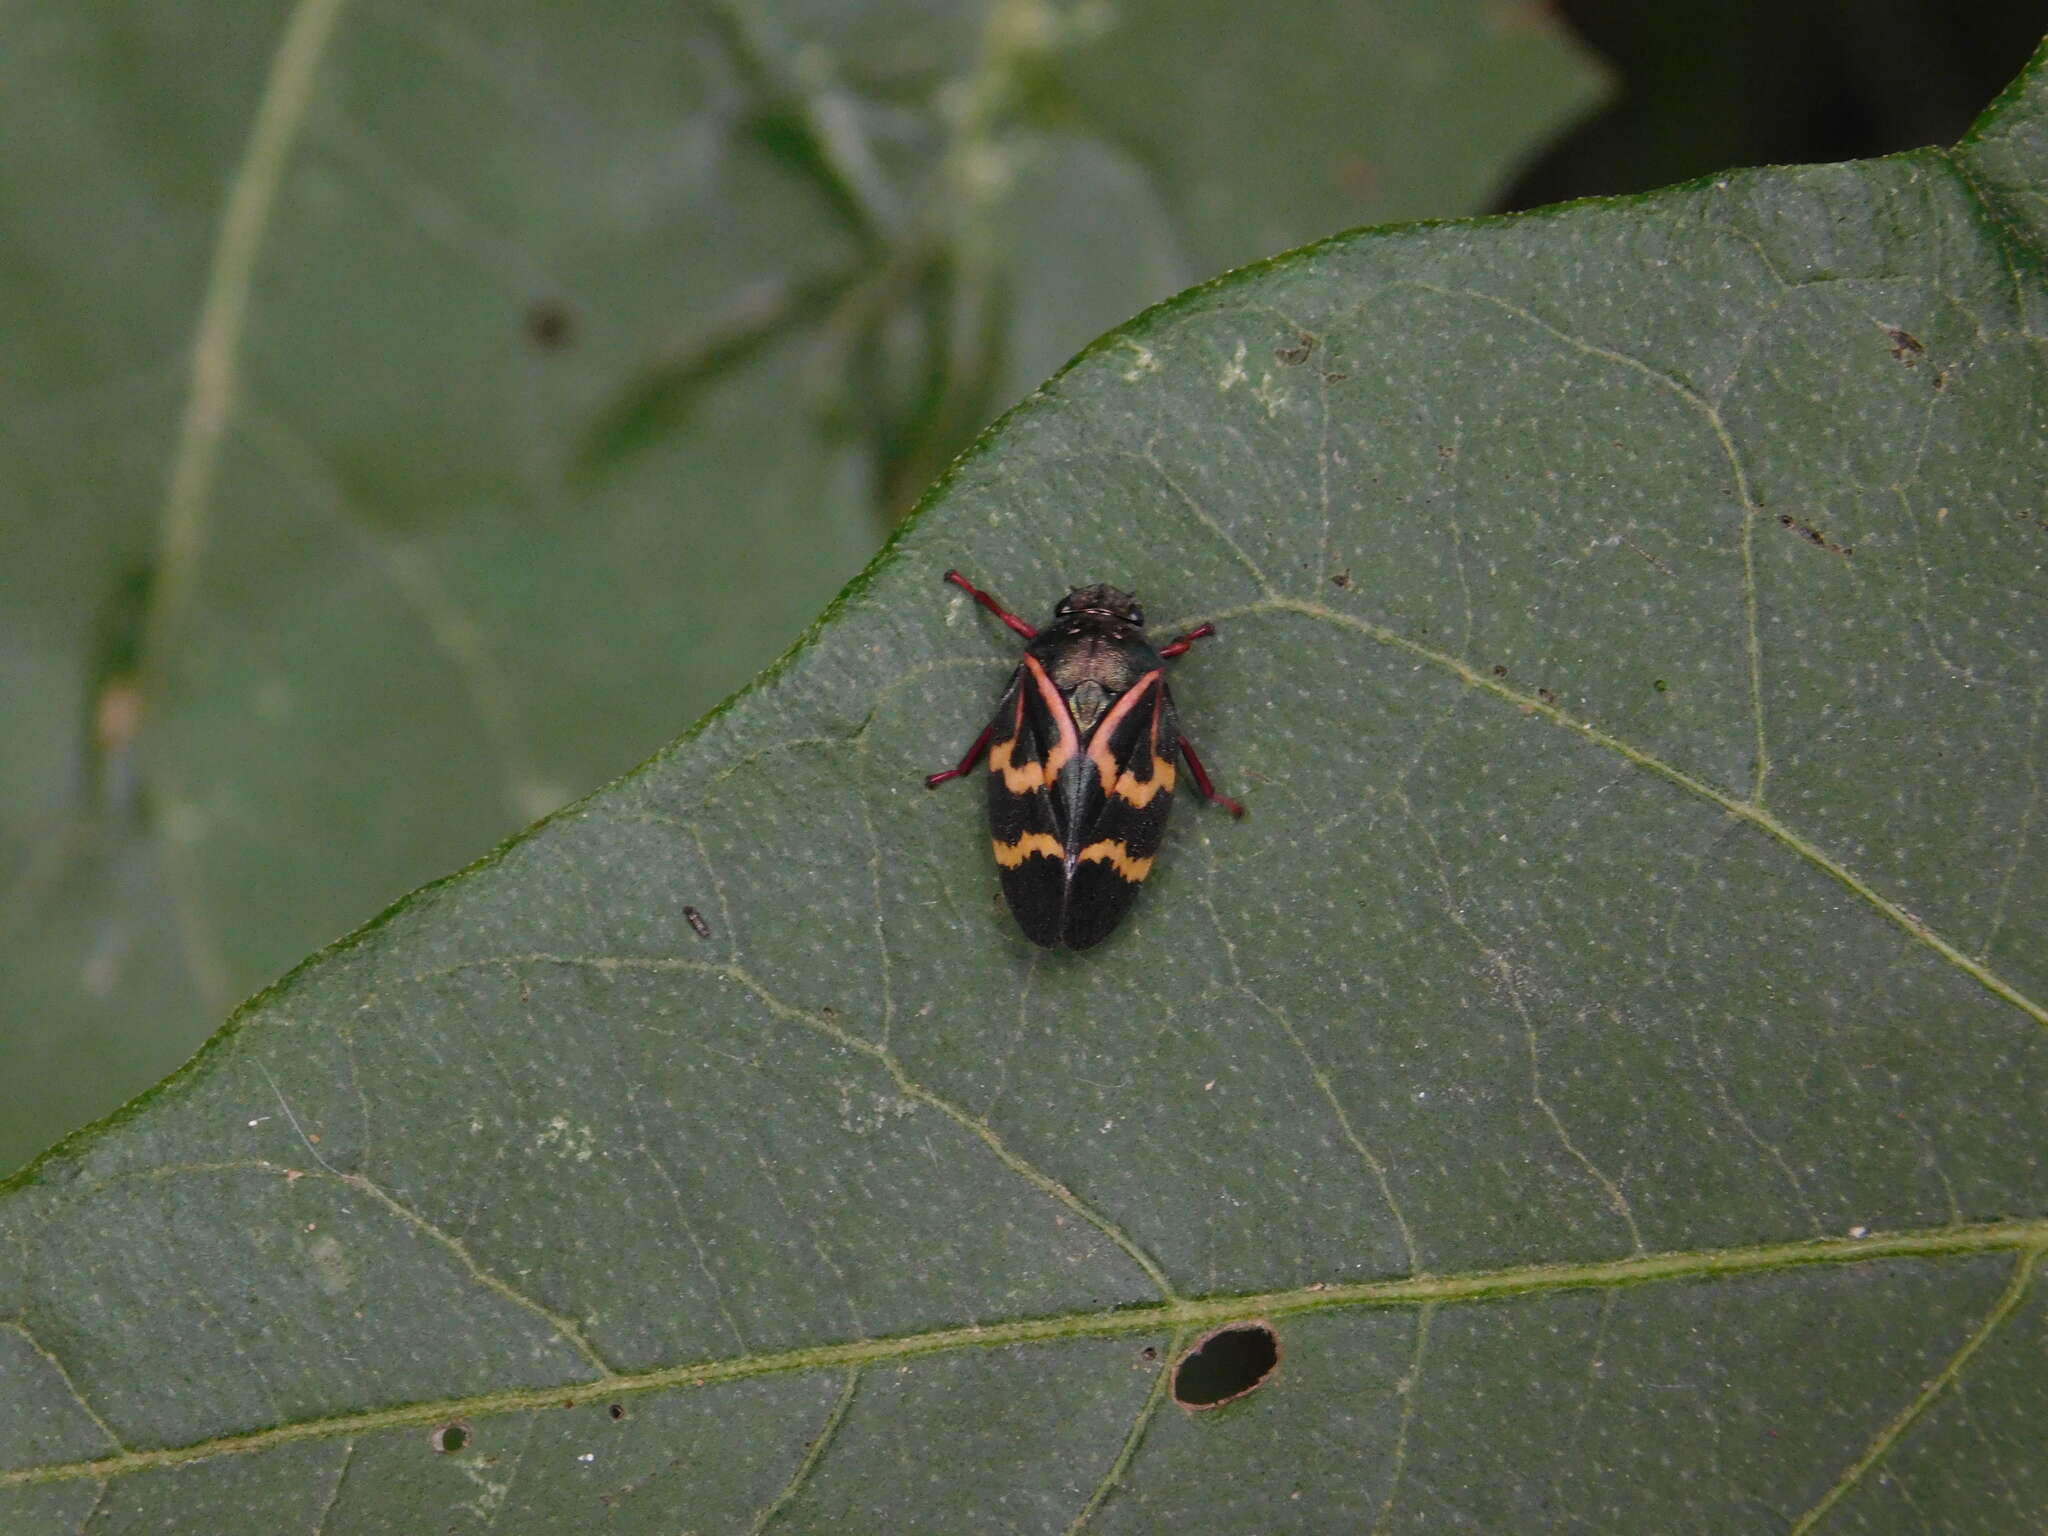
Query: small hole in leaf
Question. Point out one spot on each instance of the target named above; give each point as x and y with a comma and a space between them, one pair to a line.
1226, 1365
617, 1411
448, 1438
1148, 1353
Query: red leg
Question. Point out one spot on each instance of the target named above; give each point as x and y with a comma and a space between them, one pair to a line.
992, 606
966, 763
1199, 632
1202, 780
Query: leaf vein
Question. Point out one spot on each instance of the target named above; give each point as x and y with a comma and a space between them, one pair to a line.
64, 1375
348, 1459
1141, 1421
1739, 475
2029, 1238
209, 407
1201, 515
824, 1437
829, 1026
1742, 809
1943, 1380
1405, 1389
566, 1327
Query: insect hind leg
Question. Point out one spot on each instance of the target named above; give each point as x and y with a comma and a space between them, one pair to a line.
1202, 784
966, 763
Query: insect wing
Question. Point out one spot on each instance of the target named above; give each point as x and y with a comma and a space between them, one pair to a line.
1032, 741
1131, 754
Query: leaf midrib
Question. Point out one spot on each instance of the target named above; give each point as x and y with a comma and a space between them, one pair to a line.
2026, 1239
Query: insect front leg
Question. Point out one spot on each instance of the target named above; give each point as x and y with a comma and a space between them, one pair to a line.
1208, 790
992, 605
966, 763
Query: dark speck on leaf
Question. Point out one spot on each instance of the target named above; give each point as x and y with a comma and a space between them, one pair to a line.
1813, 535
550, 324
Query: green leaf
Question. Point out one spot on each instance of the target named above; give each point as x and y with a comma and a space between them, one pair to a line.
551, 371
1609, 1056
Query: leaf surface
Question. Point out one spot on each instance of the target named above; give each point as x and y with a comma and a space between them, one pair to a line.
1609, 1056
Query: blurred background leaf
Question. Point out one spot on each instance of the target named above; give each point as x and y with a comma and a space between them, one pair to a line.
553, 366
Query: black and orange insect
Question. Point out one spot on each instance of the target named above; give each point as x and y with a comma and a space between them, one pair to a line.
1080, 759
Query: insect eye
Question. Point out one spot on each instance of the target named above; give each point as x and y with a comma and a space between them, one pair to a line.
1137, 615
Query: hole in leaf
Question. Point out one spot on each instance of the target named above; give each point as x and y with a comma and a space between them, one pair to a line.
1226, 1365
617, 1411
1148, 1353
448, 1438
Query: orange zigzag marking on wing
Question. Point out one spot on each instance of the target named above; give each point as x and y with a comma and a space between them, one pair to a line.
1010, 855
1117, 857
1099, 744
1025, 778
1141, 792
